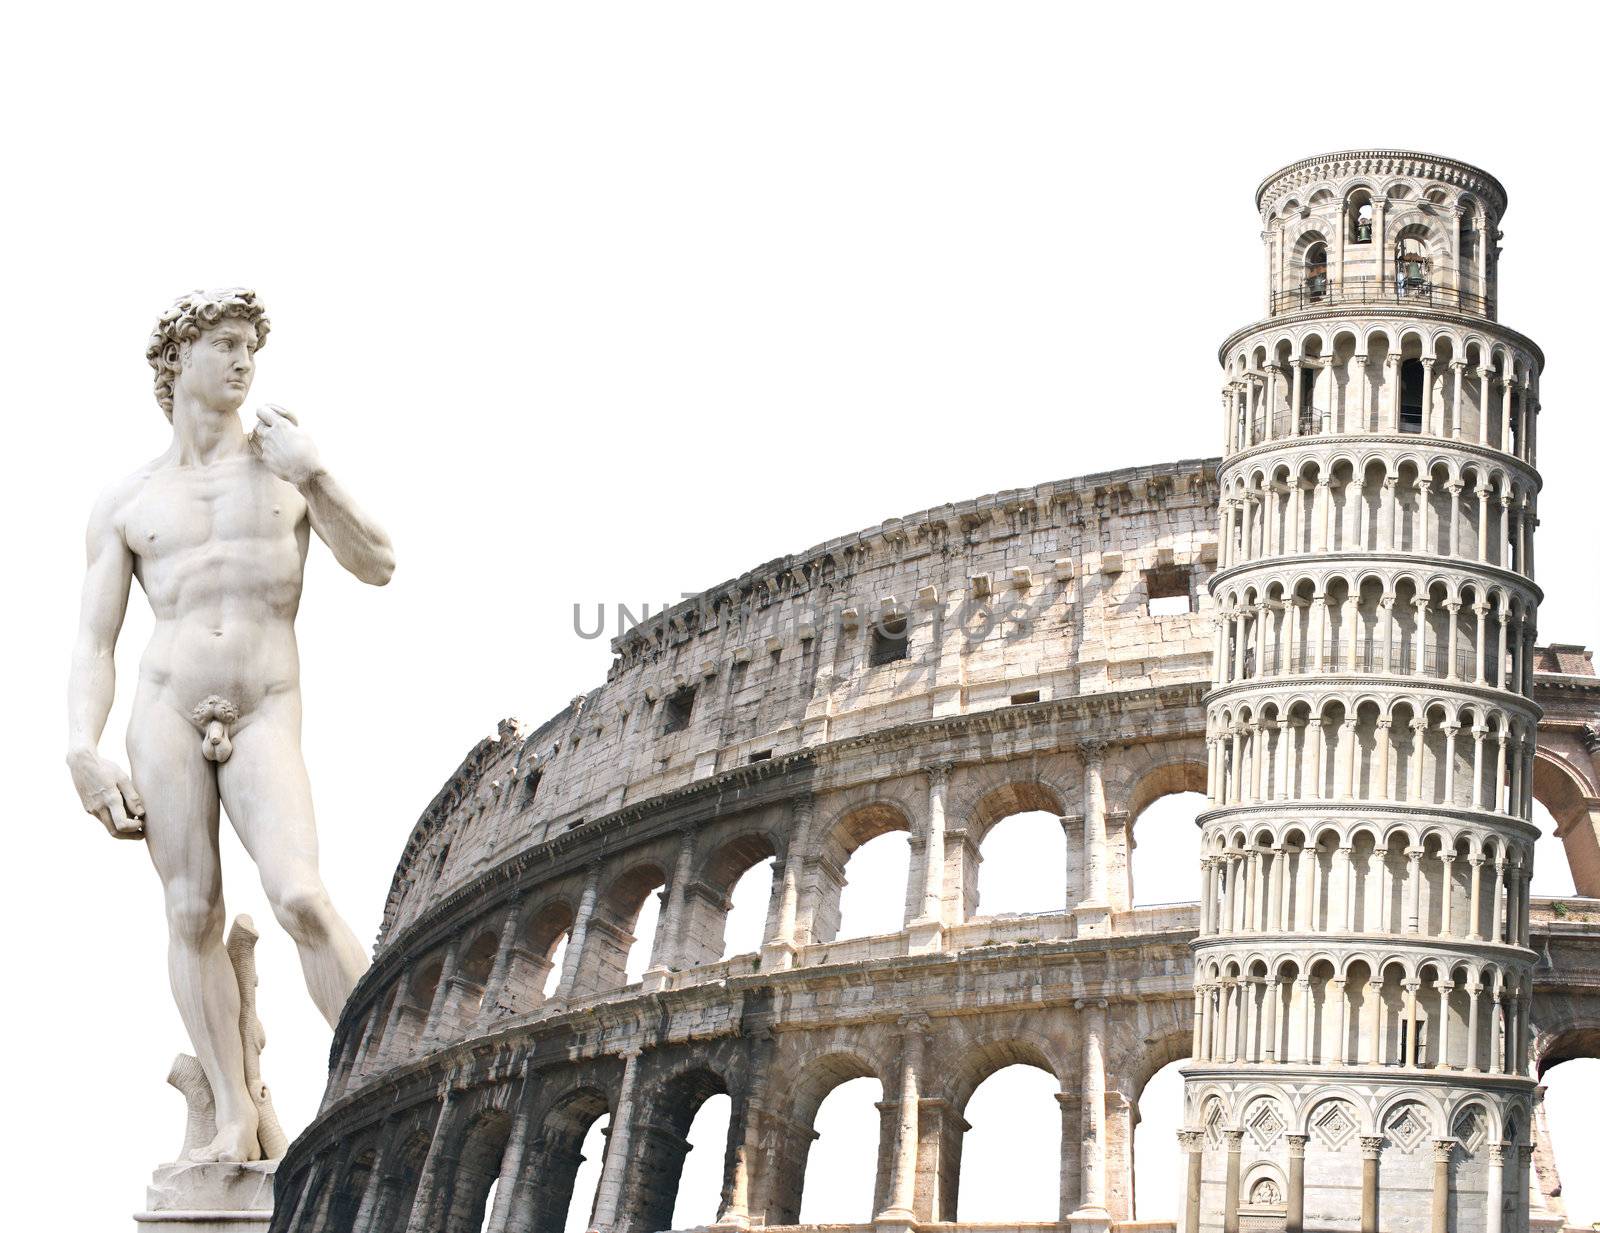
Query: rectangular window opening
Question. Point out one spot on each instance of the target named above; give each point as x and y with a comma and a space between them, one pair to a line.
680, 706
1169, 590
1027, 696
890, 641
761, 755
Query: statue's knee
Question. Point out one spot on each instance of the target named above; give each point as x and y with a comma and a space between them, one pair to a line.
303, 911
194, 921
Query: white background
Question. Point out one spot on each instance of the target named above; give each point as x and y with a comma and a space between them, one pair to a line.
602, 303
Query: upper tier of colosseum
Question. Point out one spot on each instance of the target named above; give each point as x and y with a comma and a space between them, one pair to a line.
1046, 590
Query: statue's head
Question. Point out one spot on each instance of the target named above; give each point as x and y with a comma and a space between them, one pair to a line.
207, 342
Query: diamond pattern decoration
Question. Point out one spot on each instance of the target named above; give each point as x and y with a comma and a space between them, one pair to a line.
1265, 1123
1471, 1128
1334, 1124
1407, 1127
1213, 1123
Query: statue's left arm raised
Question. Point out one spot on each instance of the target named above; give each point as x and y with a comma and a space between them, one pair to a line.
357, 542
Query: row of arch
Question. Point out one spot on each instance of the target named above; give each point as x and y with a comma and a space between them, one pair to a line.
572, 940
1368, 622
1357, 746
1344, 237
1462, 511
1441, 882
1362, 1008
506, 1158
1348, 379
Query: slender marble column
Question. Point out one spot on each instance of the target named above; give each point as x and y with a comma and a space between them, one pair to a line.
1230, 1211
1441, 1184
1193, 1143
1295, 1201
1371, 1145
1494, 1199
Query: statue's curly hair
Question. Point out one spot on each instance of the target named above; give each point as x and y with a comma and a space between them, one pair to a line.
189, 316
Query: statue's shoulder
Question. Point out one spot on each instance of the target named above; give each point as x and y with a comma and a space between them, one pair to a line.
112, 505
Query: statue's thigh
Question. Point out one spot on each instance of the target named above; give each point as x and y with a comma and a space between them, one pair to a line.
268, 798
179, 788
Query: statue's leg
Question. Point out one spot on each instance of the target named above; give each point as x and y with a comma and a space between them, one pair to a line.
180, 796
268, 799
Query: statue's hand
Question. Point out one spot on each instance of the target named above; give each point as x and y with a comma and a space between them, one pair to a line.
279, 441
108, 793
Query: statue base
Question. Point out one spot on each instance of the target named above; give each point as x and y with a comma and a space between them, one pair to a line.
209, 1198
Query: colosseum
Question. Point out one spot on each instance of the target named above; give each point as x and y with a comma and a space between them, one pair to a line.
1329, 631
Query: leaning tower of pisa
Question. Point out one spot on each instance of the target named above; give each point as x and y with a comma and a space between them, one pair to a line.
1362, 971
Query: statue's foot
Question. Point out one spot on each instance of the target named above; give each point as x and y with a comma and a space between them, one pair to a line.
234, 1143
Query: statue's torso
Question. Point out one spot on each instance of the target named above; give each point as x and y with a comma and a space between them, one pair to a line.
220, 552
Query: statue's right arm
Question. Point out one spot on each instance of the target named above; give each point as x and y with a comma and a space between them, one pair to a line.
104, 787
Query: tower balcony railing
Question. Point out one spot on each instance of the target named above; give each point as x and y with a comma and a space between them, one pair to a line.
1320, 290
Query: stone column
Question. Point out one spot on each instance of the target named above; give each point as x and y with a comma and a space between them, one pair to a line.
1371, 1145
1092, 1213
1194, 1144
927, 930
1494, 1199
1094, 911
667, 953
576, 942
903, 1183
441, 991
503, 1217
1295, 1200
1230, 1199
511, 926
1441, 1184
613, 1171
442, 1146
780, 953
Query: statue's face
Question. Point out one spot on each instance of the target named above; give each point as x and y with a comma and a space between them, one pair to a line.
220, 365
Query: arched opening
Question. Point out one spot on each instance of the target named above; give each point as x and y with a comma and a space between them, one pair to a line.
699, 1200
1316, 271
1163, 840
1011, 1150
858, 883
724, 908
841, 1168
1411, 384
1563, 1128
538, 963
1157, 1157
1359, 211
1024, 866
1166, 851
1413, 270
677, 1195
643, 945
1552, 876
467, 1192
746, 923
621, 940
575, 1213
873, 901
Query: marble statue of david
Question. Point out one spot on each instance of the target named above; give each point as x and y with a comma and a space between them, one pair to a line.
216, 530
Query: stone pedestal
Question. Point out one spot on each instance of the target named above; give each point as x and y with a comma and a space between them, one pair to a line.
209, 1198
1089, 1220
